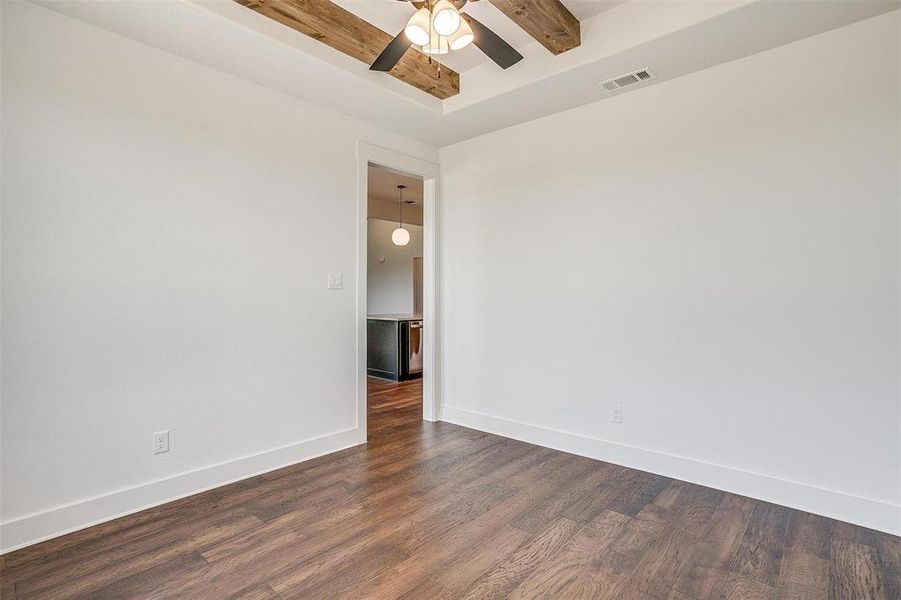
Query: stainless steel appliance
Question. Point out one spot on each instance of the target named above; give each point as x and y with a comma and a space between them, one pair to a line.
414, 347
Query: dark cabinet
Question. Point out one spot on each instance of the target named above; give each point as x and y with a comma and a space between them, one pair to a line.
389, 349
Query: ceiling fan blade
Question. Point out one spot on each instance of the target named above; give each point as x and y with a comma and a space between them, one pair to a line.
492, 44
392, 53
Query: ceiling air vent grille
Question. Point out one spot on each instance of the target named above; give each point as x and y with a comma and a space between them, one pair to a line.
627, 80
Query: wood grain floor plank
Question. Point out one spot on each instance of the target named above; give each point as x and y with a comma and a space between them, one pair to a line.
463, 537
7, 587
888, 555
760, 554
656, 573
156, 581
500, 581
810, 534
555, 490
738, 587
133, 558
459, 573
557, 573
600, 560
853, 533
794, 591
854, 572
338, 581
638, 493
585, 507
803, 573
256, 592
705, 574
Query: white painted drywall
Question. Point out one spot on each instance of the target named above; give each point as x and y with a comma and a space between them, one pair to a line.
389, 284
167, 231
723, 261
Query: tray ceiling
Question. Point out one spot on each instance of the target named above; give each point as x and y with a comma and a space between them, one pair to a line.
673, 38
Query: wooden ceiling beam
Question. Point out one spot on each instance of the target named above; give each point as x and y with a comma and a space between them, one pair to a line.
327, 22
548, 21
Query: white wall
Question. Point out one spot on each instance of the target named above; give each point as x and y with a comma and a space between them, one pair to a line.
719, 253
389, 284
166, 235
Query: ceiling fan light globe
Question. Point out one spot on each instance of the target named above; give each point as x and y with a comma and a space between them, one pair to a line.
417, 29
400, 237
446, 19
462, 38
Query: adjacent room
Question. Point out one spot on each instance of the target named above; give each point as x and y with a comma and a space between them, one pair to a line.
453, 299
394, 276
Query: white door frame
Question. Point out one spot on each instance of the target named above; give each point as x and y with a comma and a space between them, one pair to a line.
430, 173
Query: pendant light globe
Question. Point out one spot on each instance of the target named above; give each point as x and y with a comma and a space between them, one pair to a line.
400, 237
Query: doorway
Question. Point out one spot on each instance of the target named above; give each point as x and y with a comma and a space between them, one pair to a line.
397, 259
394, 326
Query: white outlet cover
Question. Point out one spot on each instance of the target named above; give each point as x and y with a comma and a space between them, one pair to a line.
335, 281
616, 414
160, 442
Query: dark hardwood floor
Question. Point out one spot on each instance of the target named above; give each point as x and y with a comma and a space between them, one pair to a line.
392, 406
431, 510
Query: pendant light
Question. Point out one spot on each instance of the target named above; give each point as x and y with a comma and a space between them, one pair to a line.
400, 236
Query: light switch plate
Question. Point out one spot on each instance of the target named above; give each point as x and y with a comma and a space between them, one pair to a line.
335, 281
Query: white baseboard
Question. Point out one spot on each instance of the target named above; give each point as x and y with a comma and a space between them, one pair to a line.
55, 522
867, 512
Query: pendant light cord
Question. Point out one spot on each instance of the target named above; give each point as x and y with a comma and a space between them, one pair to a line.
400, 207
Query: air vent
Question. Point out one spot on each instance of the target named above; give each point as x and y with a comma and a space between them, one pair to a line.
629, 79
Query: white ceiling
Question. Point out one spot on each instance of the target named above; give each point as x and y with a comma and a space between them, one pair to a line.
391, 16
672, 37
383, 185
384, 198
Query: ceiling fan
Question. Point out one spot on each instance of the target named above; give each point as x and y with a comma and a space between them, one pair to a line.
437, 27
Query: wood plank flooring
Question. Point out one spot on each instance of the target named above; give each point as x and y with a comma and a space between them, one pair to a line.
432, 510
392, 405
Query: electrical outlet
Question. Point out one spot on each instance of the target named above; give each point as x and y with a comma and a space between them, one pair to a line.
616, 413
160, 442
335, 281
